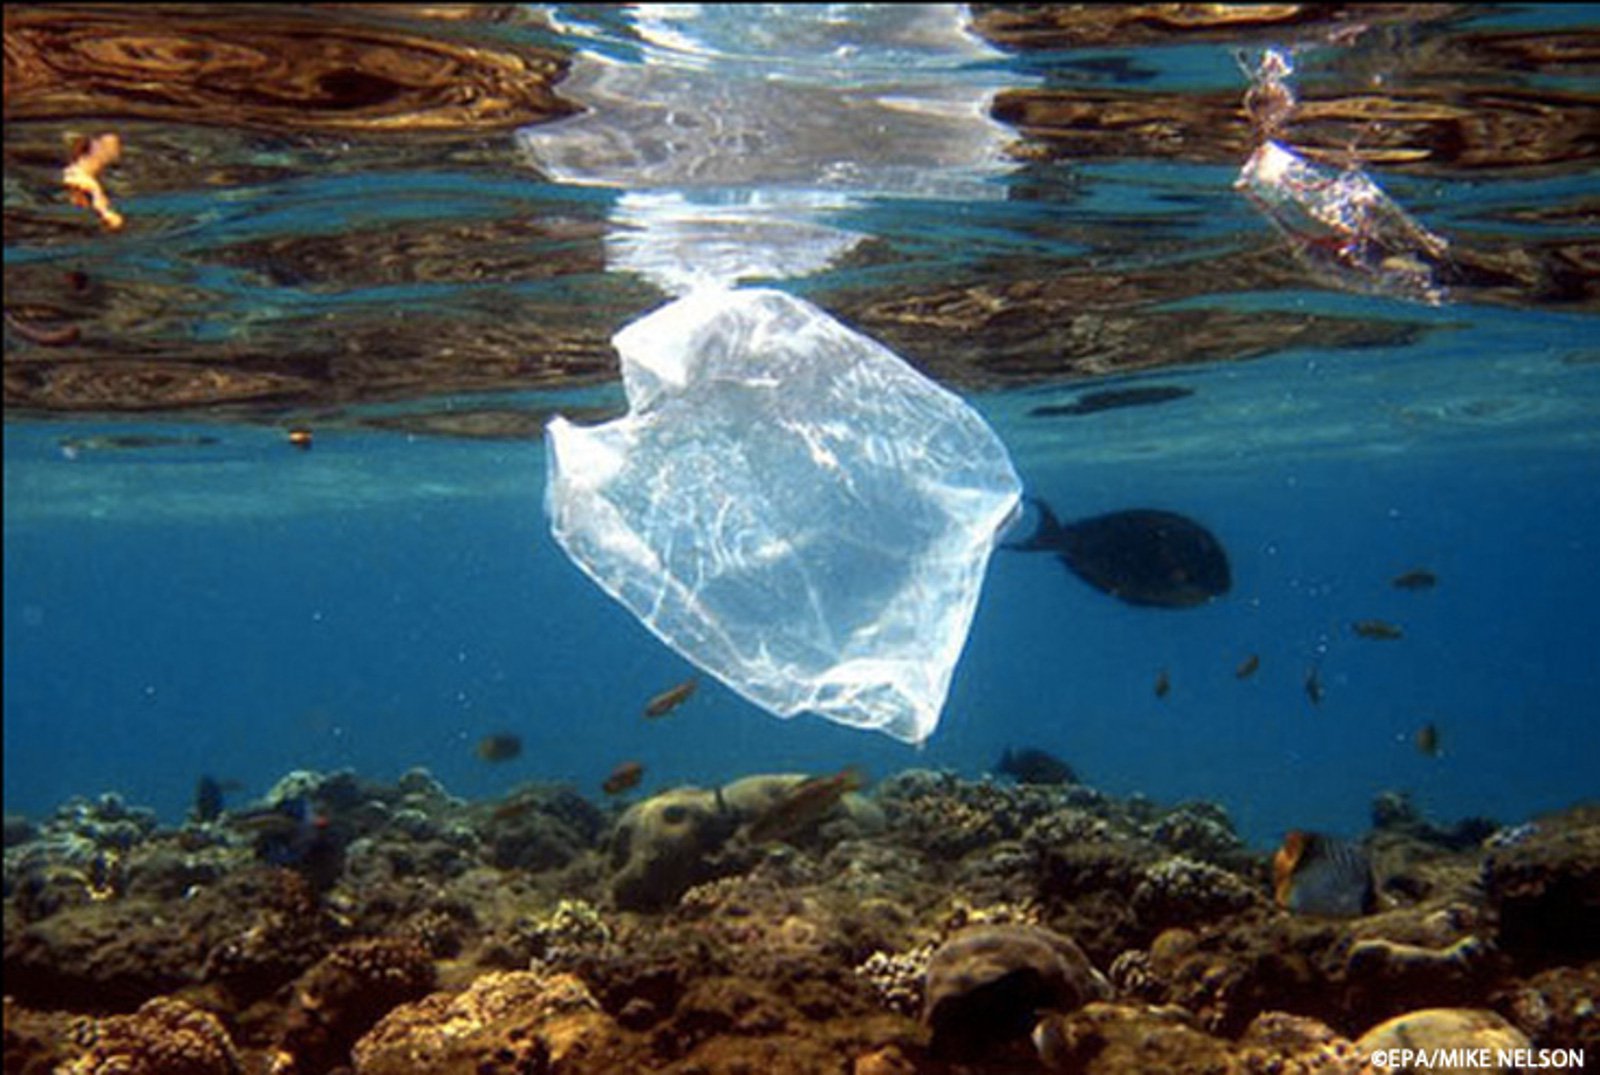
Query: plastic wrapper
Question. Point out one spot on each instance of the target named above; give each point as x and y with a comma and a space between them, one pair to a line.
1344, 227
789, 505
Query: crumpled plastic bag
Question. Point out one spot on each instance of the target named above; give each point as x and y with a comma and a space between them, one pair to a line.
1343, 227
789, 505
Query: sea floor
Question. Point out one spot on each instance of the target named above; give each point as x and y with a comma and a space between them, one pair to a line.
925, 924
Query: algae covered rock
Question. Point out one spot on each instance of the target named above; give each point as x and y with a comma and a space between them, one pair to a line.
986, 985
164, 1037
1106, 1038
504, 1021
343, 996
1434, 1033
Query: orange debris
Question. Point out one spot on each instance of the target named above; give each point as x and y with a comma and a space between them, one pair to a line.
82, 178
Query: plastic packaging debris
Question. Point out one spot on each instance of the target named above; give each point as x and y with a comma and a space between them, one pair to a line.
82, 177
1344, 227
789, 505
1340, 225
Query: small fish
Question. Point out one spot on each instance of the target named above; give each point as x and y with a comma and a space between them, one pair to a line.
802, 806
1322, 875
292, 834
624, 776
72, 447
208, 797
300, 438
1112, 398
1247, 667
1032, 766
1163, 684
1313, 685
501, 746
671, 699
1427, 739
513, 808
1378, 629
1416, 579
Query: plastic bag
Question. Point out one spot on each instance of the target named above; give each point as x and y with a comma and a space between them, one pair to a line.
789, 505
1342, 226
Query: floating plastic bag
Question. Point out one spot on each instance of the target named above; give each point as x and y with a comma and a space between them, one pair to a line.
1341, 226
1344, 227
789, 505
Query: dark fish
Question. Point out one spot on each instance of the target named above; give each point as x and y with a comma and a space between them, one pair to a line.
1032, 766
1247, 667
1145, 557
624, 776
802, 806
513, 808
671, 699
502, 746
1313, 685
293, 835
1418, 579
72, 447
1163, 684
208, 797
1323, 875
1379, 629
1427, 739
1112, 398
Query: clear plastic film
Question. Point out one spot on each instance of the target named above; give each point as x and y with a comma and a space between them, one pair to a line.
789, 505
1338, 224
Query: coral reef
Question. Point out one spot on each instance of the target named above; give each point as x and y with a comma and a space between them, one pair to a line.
164, 1037
985, 985
342, 925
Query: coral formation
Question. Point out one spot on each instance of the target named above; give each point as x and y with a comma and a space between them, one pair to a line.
918, 927
343, 996
985, 984
164, 1037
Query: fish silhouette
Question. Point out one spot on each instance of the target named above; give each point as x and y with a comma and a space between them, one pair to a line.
1145, 557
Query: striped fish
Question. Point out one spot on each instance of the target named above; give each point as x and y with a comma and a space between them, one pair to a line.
1323, 875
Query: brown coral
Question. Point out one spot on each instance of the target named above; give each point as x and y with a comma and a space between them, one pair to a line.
505, 1021
339, 999
986, 984
164, 1037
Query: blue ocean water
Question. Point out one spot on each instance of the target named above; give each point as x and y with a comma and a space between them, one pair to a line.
384, 601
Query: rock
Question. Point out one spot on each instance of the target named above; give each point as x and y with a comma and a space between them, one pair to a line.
663, 846
343, 996
986, 984
164, 1037
1545, 890
1108, 1039
504, 1021
1383, 977
1296, 1045
1451, 1030
1557, 1008
888, 1060
541, 828
1180, 891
